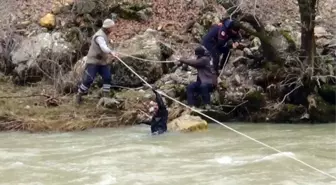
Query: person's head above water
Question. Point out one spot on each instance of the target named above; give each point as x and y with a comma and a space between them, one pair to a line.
153, 107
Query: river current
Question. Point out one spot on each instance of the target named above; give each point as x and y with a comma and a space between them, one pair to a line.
131, 156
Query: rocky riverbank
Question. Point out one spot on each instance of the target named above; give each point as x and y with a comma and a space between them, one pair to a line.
42, 60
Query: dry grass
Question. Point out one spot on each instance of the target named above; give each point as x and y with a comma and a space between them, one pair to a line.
28, 109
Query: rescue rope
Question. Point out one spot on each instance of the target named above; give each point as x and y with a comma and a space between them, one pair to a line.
146, 60
224, 125
151, 60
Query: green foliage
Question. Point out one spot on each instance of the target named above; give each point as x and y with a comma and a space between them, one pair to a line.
328, 93
323, 112
290, 40
289, 113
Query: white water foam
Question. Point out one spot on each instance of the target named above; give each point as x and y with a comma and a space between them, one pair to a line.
107, 179
227, 160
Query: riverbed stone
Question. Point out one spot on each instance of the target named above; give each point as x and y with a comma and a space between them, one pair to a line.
48, 21
187, 123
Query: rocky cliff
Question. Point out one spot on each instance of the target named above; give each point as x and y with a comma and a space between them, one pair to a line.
46, 42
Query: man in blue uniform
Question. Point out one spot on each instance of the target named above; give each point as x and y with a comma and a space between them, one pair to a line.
216, 41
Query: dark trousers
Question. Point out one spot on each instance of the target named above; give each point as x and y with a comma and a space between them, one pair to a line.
218, 64
197, 88
90, 73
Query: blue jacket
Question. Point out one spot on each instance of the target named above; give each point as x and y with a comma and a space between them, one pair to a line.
213, 41
159, 121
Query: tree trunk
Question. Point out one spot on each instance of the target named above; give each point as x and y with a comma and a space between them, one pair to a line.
307, 14
269, 51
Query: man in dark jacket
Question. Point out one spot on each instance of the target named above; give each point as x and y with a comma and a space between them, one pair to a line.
206, 77
159, 113
216, 41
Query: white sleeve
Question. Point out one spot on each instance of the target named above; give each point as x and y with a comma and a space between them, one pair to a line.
102, 44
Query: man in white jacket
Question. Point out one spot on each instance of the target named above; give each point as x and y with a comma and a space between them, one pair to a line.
97, 61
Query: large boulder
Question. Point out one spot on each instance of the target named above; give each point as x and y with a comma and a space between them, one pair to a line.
59, 6
127, 9
187, 123
174, 84
136, 10
145, 46
284, 39
330, 48
46, 54
236, 81
212, 14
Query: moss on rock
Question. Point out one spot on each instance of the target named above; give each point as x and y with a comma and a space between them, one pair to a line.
291, 43
288, 113
256, 100
321, 111
135, 11
328, 93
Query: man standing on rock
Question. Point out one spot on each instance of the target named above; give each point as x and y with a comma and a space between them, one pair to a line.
206, 77
216, 41
97, 61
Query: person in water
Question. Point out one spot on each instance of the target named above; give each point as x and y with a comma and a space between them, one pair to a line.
159, 113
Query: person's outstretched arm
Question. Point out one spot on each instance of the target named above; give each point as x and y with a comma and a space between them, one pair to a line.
194, 62
103, 45
159, 100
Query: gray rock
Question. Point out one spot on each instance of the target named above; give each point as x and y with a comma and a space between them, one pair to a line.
200, 3
145, 14
145, 46
84, 6
270, 28
198, 31
320, 32
108, 103
248, 52
40, 55
331, 44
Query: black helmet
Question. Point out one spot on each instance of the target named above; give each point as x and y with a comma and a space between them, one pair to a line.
200, 51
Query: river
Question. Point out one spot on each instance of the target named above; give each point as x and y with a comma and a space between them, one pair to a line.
131, 156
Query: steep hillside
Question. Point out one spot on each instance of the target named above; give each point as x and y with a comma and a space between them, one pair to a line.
263, 82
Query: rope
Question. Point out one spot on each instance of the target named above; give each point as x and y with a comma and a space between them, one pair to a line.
146, 60
226, 60
224, 125
149, 60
